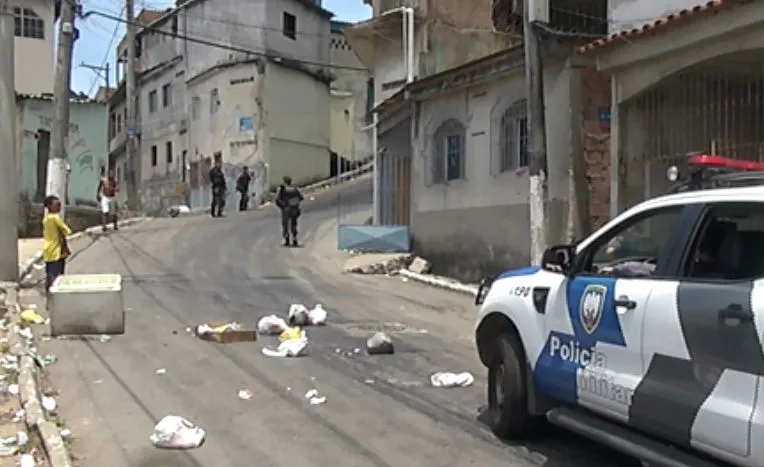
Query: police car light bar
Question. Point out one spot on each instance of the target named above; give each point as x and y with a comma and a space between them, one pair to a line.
707, 160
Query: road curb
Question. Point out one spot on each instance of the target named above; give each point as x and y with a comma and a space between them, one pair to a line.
440, 282
29, 390
26, 267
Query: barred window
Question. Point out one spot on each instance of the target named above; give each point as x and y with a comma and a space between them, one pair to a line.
513, 141
28, 24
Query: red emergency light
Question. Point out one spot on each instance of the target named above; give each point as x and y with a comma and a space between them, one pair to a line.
708, 160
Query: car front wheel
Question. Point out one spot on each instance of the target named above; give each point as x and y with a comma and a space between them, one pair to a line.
507, 390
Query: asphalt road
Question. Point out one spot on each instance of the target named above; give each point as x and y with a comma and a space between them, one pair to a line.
380, 411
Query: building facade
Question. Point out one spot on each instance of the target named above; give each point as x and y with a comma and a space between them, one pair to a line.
352, 98
686, 79
86, 147
266, 109
34, 41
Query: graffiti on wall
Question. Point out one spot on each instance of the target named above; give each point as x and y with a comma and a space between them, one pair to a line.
76, 146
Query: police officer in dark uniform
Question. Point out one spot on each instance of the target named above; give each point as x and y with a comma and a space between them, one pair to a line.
288, 200
219, 189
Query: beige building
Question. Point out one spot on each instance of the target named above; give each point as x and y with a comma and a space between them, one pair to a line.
34, 31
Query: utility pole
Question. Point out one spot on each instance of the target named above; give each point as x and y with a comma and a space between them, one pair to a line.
130, 108
57, 162
536, 10
9, 210
102, 71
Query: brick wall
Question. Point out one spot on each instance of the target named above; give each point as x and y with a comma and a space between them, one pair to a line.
597, 144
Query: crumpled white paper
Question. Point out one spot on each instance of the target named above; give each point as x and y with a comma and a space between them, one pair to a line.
291, 348
299, 315
271, 325
451, 380
174, 432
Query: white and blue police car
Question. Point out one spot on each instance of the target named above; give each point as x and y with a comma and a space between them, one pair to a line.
665, 364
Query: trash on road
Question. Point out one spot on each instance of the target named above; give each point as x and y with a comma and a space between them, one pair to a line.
13, 389
44, 361
294, 343
299, 315
65, 432
27, 460
224, 333
31, 316
161, 371
314, 398
174, 432
245, 394
380, 344
290, 333
49, 403
271, 325
451, 380
104, 338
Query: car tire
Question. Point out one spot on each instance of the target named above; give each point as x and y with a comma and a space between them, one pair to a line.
507, 390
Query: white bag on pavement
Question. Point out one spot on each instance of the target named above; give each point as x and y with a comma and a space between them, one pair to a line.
317, 316
298, 315
271, 325
451, 380
290, 348
174, 432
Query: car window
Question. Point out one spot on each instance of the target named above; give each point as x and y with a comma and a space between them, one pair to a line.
640, 238
729, 245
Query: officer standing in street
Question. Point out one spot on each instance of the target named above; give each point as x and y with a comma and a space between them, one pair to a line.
219, 189
242, 186
289, 200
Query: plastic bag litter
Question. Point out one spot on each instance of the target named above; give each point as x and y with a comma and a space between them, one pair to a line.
299, 315
217, 328
291, 333
31, 316
271, 325
451, 380
174, 432
294, 347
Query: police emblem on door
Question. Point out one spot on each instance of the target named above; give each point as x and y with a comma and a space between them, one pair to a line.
591, 307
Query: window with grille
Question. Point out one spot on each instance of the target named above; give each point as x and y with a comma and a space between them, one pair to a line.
28, 24
448, 157
196, 104
513, 142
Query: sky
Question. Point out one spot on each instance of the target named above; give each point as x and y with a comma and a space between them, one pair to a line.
99, 36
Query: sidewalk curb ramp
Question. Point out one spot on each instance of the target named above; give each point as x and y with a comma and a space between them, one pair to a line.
29, 390
25, 268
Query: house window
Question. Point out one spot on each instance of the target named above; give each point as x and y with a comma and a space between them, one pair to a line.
118, 125
119, 175
113, 125
168, 152
513, 137
152, 101
448, 152
166, 95
27, 24
289, 26
153, 156
196, 104
214, 101
453, 152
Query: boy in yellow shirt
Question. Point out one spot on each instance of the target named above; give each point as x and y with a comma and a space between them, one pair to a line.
54, 233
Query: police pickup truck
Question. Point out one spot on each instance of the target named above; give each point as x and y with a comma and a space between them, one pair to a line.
666, 365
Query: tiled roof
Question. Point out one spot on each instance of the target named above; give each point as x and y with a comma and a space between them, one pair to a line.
688, 14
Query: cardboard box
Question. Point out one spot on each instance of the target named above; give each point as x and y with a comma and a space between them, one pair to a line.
227, 337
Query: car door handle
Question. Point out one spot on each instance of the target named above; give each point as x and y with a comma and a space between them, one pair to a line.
624, 302
734, 314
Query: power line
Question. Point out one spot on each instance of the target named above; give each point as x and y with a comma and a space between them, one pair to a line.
240, 24
219, 45
106, 55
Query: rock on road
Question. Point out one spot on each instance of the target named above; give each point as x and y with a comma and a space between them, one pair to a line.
380, 411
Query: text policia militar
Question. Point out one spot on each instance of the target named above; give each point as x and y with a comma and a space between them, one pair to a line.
592, 374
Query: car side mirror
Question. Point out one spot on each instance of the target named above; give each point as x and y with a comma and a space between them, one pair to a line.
558, 258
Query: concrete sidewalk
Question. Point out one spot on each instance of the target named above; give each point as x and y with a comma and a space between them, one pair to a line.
28, 247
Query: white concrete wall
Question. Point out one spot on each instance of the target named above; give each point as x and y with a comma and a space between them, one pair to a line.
312, 41
238, 89
474, 107
35, 62
390, 66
